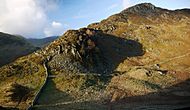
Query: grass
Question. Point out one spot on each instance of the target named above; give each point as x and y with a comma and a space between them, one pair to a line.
68, 88
74, 82
10, 43
24, 72
53, 94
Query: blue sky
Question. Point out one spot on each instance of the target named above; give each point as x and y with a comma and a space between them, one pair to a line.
43, 18
89, 11
79, 13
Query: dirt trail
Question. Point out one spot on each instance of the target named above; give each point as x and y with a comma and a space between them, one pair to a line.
41, 88
177, 57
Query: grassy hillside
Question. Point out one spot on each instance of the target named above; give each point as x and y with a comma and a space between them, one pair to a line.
12, 47
28, 72
41, 42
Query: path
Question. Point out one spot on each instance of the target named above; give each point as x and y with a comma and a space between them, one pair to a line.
41, 88
177, 57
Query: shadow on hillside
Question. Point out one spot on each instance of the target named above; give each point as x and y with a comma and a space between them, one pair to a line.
174, 97
51, 95
165, 99
7, 108
115, 50
10, 55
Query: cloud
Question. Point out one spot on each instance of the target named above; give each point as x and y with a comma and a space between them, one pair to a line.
56, 24
49, 5
56, 28
126, 4
26, 17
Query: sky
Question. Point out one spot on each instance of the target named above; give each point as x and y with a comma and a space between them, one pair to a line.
44, 18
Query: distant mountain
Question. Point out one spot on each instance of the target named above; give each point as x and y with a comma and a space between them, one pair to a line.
136, 59
12, 47
42, 42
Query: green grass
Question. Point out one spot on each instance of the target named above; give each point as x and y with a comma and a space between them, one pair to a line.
12, 47
24, 72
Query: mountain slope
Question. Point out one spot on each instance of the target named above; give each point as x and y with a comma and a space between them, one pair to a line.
42, 42
12, 47
163, 33
138, 58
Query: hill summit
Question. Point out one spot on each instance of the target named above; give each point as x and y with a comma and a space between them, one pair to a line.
144, 8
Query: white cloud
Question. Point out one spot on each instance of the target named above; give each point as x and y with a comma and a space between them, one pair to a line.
26, 17
129, 3
48, 5
55, 28
56, 24
126, 4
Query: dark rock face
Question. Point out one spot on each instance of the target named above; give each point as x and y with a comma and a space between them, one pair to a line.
76, 50
90, 50
80, 44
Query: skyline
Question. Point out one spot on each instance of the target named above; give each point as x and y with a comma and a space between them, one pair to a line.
44, 18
